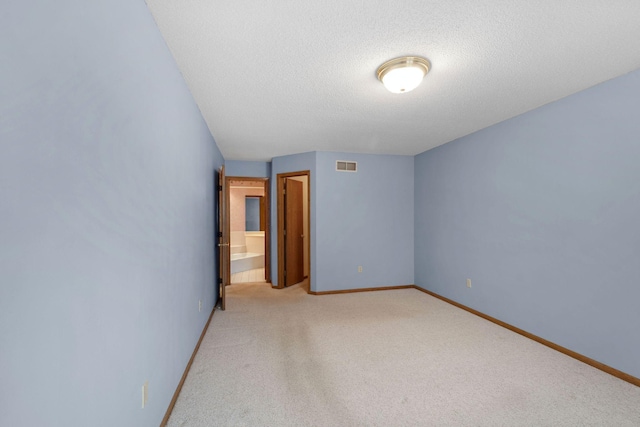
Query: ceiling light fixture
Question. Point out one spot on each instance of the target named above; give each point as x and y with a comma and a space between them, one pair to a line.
403, 74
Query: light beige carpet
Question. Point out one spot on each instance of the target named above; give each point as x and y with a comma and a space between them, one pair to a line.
385, 358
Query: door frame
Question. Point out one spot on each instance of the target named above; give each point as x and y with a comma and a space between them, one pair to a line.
280, 231
267, 211
224, 261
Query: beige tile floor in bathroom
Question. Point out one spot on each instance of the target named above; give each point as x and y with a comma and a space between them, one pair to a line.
249, 276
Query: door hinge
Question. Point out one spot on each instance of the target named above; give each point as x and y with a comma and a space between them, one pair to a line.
219, 233
219, 280
219, 187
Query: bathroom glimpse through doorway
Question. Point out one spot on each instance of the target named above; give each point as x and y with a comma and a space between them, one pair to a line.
249, 229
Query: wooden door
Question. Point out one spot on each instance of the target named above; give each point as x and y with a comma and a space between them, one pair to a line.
294, 233
224, 263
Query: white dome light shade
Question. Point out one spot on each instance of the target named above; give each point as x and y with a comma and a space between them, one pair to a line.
404, 74
404, 79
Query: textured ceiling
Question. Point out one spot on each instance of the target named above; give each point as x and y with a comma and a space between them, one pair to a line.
281, 77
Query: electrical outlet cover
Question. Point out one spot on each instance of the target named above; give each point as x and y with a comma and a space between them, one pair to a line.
145, 393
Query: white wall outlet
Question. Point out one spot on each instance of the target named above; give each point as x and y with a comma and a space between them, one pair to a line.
145, 393
468, 283
199, 305
359, 269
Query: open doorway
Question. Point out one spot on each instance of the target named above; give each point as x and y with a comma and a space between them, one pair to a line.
293, 191
249, 229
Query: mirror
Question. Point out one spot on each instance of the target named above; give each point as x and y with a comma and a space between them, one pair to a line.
252, 213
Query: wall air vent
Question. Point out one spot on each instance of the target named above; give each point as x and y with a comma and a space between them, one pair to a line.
345, 166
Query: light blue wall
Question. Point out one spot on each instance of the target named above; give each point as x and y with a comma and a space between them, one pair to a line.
247, 169
364, 219
106, 215
285, 164
541, 212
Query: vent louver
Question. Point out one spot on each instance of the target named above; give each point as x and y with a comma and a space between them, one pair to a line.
345, 166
